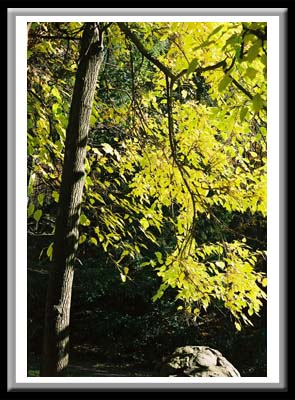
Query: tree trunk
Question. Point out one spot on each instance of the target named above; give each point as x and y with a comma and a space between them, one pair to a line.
58, 302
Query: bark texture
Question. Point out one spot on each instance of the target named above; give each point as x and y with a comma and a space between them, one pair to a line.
55, 356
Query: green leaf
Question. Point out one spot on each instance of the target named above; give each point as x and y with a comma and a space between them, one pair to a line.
55, 93
243, 113
206, 43
88, 181
263, 59
93, 240
82, 239
30, 150
55, 196
257, 102
253, 51
59, 145
196, 311
93, 120
233, 40
61, 130
216, 30
56, 109
87, 166
31, 209
49, 251
40, 198
192, 66
251, 72
30, 124
37, 215
160, 291
159, 257
158, 295
225, 81
84, 220
123, 277
144, 264
264, 282
99, 235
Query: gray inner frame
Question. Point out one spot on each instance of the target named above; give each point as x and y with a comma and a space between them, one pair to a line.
12, 13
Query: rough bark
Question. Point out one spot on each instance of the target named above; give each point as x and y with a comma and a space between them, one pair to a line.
58, 302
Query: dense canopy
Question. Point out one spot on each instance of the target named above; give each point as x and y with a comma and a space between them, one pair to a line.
175, 172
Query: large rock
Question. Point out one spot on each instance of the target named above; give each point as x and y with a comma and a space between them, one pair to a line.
197, 361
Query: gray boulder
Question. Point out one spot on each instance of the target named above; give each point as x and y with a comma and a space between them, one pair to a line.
197, 361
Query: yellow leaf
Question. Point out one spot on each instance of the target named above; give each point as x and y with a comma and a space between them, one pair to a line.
238, 326
93, 240
49, 251
250, 311
220, 264
144, 223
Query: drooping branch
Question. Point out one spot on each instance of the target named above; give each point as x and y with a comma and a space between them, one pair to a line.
170, 120
183, 172
171, 78
134, 39
227, 69
132, 36
221, 64
199, 70
245, 91
262, 35
37, 97
242, 89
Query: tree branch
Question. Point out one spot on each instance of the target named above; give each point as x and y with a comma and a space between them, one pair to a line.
124, 28
180, 167
37, 97
261, 35
221, 64
54, 37
242, 89
199, 70
134, 39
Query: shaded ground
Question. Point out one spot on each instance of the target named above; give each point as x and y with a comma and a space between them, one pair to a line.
89, 367
117, 331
